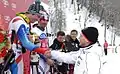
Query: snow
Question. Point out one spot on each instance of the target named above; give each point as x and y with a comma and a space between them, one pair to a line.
111, 62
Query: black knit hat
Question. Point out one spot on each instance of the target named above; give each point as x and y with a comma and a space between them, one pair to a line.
91, 33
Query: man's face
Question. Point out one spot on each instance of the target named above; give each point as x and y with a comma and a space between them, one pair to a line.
61, 38
83, 41
43, 19
73, 35
34, 18
43, 23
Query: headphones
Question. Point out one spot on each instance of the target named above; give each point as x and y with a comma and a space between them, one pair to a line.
23, 16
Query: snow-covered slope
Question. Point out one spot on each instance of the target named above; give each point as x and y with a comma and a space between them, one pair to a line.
111, 63
93, 21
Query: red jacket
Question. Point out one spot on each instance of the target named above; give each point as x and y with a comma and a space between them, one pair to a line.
105, 45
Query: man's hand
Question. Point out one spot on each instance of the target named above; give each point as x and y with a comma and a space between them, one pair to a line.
33, 38
50, 62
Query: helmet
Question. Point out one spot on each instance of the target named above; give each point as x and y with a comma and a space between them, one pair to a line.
38, 1
38, 10
44, 15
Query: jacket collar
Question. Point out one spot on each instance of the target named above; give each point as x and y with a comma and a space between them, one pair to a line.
93, 49
90, 48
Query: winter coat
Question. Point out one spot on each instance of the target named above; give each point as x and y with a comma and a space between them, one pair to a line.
60, 46
72, 45
43, 66
87, 60
105, 45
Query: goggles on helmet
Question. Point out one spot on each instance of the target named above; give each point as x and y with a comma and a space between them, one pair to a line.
43, 16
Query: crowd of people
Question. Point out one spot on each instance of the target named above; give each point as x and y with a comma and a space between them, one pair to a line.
29, 52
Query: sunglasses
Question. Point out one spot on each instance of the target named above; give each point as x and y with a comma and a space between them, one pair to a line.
44, 17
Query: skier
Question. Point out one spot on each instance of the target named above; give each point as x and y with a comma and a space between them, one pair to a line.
19, 28
42, 40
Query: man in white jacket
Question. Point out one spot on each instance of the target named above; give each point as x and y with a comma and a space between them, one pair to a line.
87, 59
42, 42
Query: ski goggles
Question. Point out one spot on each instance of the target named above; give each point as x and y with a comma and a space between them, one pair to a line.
43, 16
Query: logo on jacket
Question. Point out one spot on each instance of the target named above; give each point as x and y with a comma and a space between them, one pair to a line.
78, 63
43, 36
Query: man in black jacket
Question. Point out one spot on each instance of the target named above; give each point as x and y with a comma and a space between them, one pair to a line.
74, 41
72, 45
58, 44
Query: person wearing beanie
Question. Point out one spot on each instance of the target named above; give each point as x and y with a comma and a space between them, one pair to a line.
19, 31
86, 59
91, 36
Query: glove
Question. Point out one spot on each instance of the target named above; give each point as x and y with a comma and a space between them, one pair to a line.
40, 50
45, 51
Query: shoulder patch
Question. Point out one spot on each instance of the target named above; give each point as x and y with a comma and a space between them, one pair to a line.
43, 36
